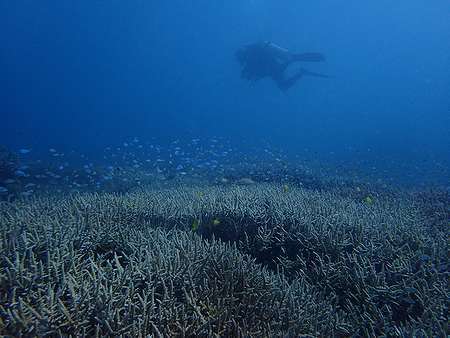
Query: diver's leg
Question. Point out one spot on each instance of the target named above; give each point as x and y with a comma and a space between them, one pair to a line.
282, 66
308, 73
286, 83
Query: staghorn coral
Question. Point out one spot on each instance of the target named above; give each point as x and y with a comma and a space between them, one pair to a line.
128, 264
149, 282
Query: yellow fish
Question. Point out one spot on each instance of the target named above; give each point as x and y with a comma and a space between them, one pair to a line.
195, 225
200, 194
216, 221
368, 200
285, 188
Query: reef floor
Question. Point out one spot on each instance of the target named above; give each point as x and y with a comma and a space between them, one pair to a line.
238, 259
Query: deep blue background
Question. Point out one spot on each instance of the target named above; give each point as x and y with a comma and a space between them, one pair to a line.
86, 74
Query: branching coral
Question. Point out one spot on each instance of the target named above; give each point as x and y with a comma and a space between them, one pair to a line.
268, 261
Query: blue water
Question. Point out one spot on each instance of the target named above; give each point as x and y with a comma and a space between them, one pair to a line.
86, 75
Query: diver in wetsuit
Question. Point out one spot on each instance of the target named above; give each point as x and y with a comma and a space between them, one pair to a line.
266, 59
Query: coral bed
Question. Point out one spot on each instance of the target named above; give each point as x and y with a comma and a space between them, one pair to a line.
258, 260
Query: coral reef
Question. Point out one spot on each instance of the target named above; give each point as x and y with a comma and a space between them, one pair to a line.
262, 260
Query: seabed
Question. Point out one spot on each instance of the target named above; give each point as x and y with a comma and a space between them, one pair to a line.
225, 257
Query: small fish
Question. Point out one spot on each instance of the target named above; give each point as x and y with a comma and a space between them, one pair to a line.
216, 221
245, 181
27, 193
3, 190
368, 200
20, 173
195, 225
24, 151
285, 188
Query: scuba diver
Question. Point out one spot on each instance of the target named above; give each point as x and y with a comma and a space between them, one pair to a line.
266, 59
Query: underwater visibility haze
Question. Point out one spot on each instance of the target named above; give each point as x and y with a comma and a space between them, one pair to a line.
232, 168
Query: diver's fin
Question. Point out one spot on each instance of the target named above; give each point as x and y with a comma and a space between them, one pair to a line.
308, 57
